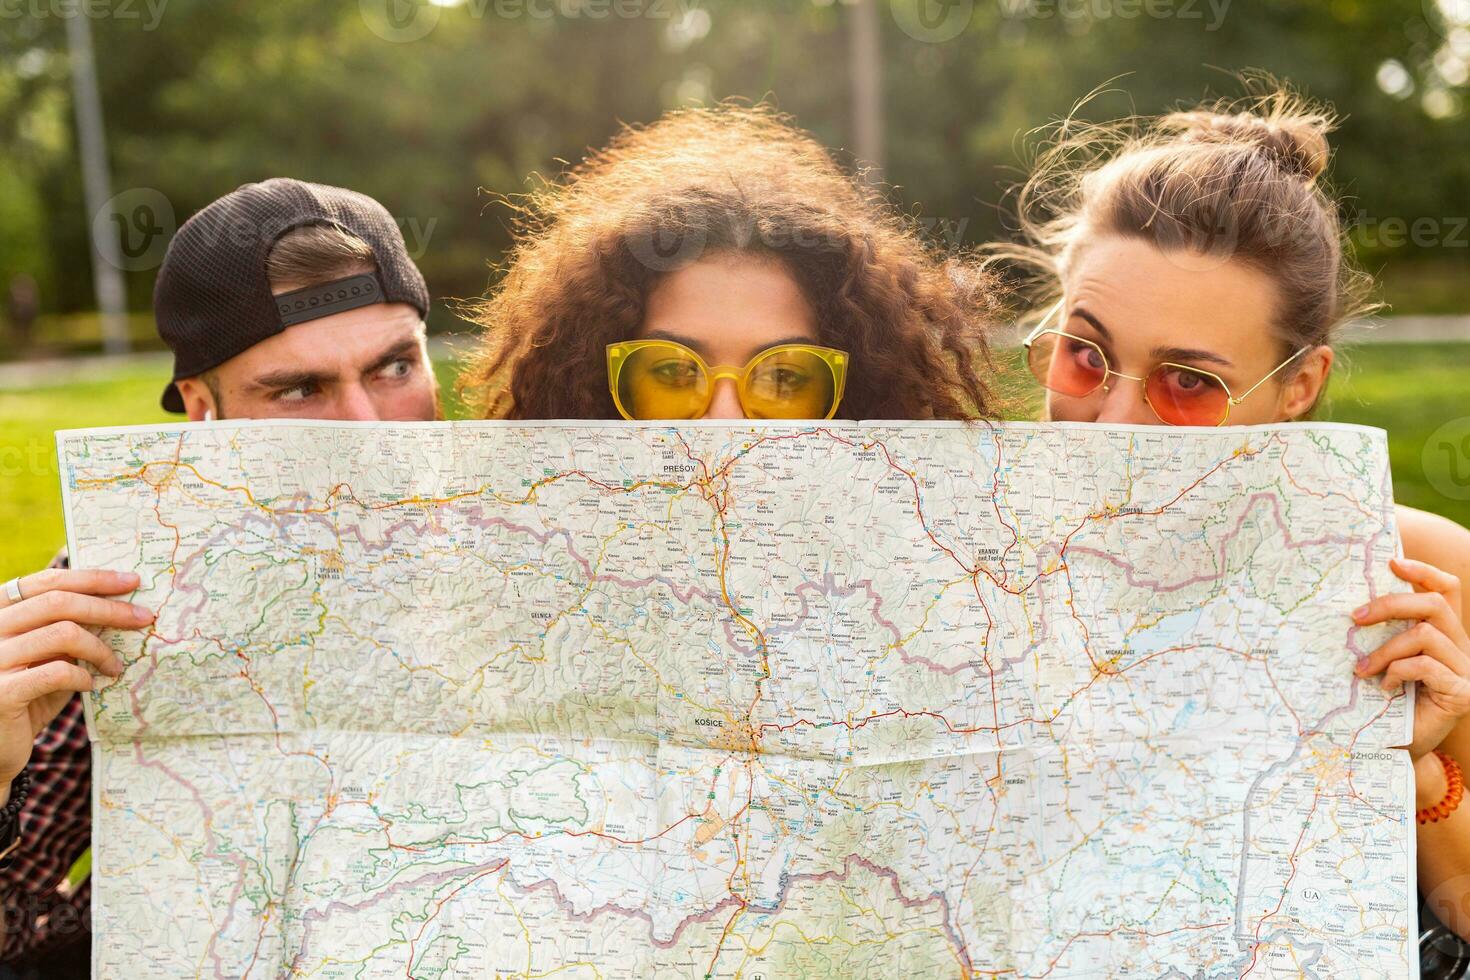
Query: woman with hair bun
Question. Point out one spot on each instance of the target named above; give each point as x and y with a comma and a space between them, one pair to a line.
1195, 275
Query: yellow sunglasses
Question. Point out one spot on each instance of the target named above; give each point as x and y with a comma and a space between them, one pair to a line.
661, 379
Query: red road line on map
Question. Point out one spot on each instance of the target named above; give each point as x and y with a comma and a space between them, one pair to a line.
1285, 885
439, 906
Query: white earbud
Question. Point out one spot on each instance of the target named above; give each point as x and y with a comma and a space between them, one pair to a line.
209, 415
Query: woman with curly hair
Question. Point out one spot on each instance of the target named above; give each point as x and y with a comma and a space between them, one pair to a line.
719, 264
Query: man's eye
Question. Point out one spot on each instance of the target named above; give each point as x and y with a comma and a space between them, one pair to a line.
300, 393
397, 370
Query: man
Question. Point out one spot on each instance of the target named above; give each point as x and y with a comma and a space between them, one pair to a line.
280, 300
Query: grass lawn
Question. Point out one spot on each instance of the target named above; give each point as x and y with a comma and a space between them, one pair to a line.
1410, 390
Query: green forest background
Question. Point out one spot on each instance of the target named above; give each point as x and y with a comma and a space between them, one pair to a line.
435, 107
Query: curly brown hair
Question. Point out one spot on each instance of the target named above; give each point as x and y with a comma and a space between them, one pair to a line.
704, 182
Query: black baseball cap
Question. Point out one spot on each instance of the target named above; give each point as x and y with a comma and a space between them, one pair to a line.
212, 299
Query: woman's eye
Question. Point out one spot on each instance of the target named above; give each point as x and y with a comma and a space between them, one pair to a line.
779, 380
298, 394
789, 380
1188, 382
675, 372
1086, 355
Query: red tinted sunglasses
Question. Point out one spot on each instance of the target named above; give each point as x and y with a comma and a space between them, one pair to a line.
1178, 393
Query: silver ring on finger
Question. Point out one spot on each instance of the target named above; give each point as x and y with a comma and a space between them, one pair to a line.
12, 591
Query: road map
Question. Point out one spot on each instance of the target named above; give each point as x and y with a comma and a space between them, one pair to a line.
756, 700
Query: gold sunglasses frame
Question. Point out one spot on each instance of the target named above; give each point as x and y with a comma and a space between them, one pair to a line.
1231, 400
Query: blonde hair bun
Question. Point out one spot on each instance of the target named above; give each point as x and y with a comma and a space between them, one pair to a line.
1238, 180
1295, 139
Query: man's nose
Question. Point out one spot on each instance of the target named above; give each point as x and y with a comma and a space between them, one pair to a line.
354, 404
726, 402
1124, 404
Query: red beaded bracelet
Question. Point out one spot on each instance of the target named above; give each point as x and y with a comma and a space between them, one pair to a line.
1454, 792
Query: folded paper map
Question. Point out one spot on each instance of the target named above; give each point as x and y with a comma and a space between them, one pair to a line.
756, 700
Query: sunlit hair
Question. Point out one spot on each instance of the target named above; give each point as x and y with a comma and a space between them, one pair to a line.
314, 254
1239, 180
701, 183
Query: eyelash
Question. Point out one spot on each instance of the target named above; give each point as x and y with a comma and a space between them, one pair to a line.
281, 395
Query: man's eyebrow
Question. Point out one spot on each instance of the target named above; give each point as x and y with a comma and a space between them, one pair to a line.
397, 352
282, 380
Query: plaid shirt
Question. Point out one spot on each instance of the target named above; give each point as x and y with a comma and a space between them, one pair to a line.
43, 915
